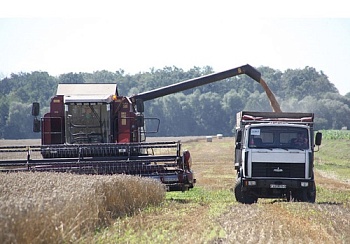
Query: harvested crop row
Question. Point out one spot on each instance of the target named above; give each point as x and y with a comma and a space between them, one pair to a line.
60, 207
286, 222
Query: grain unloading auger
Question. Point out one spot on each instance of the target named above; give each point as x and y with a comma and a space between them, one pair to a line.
91, 129
200, 81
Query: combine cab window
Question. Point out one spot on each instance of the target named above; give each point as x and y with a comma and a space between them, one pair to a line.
278, 137
87, 123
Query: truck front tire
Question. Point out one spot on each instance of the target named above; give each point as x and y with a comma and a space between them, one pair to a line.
309, 194
304, 195
241, 196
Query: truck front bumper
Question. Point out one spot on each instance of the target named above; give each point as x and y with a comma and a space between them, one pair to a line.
277, 183
272, 188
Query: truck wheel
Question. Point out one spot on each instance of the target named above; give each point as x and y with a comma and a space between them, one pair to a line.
311, 194
241, 196
184, 188
307, 195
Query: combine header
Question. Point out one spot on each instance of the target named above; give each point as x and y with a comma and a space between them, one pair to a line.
91, 129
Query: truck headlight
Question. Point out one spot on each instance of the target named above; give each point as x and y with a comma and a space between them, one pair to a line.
304, 184
250, 183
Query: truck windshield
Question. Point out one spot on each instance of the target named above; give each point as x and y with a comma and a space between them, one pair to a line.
278, 137
87, 123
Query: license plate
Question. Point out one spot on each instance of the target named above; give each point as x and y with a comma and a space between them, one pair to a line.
278, 186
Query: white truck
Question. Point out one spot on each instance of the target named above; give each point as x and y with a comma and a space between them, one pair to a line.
274, 156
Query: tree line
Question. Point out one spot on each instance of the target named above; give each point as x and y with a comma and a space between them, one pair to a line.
205, 110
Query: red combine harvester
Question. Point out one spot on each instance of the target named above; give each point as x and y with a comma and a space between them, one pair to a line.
91, 129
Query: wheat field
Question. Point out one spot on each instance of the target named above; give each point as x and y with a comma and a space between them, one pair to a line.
60, 207
63, 208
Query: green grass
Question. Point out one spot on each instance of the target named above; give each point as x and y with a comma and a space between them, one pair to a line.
178, 214
336, 134
333, 156
217, 200
333, 159
334, 196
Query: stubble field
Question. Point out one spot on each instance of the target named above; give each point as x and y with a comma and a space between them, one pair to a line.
209, 213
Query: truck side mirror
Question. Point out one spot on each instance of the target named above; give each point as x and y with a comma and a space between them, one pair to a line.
36, 125
239, 136
239, 139
140, 122
139, 106
35, 109
318, 139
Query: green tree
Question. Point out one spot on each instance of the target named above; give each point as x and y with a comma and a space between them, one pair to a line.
306, 82
231, 103
71, 78
4, 111
204, 110
19, 123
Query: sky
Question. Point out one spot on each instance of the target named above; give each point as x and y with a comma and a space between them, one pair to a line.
86, 36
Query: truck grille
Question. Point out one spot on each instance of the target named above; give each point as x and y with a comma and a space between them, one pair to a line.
289, 170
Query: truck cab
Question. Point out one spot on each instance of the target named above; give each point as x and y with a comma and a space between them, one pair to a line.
274, 156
